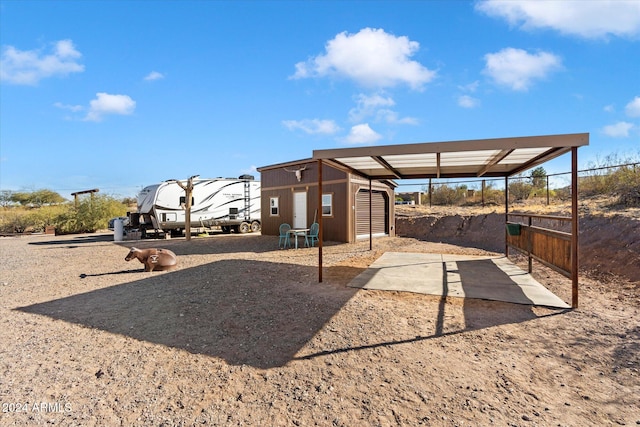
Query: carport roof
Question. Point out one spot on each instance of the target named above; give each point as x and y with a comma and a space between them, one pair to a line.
496, 157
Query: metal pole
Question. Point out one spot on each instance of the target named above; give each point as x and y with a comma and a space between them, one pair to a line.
506, 214
574, 227
187, 207
320, 227
547, 190
530, 244
370, 218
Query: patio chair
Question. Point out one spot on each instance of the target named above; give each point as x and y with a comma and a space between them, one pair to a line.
312, 235
284, 238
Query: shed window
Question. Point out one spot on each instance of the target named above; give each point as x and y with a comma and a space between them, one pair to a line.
273, 206
327, 205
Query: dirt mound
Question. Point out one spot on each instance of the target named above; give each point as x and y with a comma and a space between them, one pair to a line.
608, 244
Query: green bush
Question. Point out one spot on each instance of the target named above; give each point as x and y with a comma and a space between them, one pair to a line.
13, 220
89, 215
445, 195
42, 217
627, 188
520, 190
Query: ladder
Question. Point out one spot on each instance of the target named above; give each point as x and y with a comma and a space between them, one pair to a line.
247, 200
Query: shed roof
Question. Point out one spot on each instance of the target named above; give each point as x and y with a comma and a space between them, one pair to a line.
497, 157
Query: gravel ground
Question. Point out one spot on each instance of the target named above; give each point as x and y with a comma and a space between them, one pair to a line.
243, 334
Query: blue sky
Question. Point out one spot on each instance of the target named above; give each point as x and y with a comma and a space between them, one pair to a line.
117, 95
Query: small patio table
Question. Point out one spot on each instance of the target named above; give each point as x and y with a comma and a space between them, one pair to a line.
298, 232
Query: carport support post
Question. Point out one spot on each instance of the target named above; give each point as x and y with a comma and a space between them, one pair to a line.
506, 215
574, 227
370, 219
320, 221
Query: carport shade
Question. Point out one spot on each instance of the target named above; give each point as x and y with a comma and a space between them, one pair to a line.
497, 157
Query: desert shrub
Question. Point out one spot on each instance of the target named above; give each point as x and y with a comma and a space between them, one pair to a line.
446, 195
493, 196
520, 190
13, 220
605, 177
595, 184
90, 214
563, 194
42, 217
627, 185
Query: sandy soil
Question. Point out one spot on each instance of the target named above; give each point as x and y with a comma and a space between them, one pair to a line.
242, 334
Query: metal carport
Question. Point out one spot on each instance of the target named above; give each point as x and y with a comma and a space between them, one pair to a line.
498, 157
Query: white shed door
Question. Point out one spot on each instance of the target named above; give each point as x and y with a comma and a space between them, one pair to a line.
300, 210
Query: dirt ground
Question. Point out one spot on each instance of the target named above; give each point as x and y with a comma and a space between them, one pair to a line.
243, 334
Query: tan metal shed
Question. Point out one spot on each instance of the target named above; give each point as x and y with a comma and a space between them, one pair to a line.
289, 194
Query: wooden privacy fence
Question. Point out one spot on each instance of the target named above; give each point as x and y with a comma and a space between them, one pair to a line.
554, 248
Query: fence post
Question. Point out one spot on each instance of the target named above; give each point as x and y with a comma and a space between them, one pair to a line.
547, 190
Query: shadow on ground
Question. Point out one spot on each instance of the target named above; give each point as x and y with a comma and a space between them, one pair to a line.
247, 317
246, 312
214, 244
74, 240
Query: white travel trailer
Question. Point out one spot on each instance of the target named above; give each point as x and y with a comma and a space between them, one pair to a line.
228, 203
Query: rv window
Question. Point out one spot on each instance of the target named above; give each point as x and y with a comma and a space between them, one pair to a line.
183, 200
273, 203
327, 205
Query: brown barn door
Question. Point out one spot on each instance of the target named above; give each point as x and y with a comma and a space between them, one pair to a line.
379, 208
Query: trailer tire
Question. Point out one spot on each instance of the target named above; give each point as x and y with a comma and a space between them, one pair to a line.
255, 226
244, 228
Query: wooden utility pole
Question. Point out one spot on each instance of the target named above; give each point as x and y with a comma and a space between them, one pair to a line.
188, 192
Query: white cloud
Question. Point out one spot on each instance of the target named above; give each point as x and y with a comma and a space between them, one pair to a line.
154, 75
466, 101
371, 58
374, 106
30, 66
609, 108
471, 87
392, 117
632, 109
517, 69
589, 19
72, 108
362, 134
368, 105
106, 104
312, 126
618, 130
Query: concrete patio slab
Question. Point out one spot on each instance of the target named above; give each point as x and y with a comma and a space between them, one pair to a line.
466, 276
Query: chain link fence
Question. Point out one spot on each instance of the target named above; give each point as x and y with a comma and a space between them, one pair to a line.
620, 181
